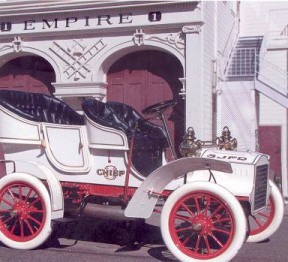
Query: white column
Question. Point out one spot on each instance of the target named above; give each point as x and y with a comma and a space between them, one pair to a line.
194, 78
78, 89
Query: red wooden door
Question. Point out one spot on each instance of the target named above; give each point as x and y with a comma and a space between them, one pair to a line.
270, 144
144, 78
138, 88
33, 74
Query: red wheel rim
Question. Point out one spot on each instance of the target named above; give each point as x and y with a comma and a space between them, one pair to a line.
261, 220
22, 211
201, 225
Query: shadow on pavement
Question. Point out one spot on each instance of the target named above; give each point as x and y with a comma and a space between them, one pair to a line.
128, 235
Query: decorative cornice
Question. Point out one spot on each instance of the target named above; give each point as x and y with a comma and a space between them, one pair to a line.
47, 7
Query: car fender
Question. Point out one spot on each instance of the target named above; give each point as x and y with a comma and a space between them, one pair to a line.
145, 198
54, 186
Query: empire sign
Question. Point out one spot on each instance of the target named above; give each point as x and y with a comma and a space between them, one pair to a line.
73, 22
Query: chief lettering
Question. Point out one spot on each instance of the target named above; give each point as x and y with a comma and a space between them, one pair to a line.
110, 172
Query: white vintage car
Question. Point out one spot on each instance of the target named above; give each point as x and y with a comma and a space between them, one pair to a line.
110, 163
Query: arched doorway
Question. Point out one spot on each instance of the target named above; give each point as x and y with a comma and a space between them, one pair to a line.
144, 78
27, 73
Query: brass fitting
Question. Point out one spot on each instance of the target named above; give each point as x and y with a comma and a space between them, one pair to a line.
190, 146
226, 142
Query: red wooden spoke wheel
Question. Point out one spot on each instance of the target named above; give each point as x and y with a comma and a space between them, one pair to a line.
263, 219
203, 221
264, 223
201, 225
25, 211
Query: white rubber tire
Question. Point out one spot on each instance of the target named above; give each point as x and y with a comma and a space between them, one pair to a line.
275, 222
34, 183
231, 203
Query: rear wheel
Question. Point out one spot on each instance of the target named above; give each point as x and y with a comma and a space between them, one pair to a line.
265, 223
203, 221
25, 211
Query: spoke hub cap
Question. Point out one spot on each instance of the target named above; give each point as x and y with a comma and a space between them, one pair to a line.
201, 224
19, 210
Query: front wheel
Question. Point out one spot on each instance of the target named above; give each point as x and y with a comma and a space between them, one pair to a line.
265, 223
203, 221
25, 211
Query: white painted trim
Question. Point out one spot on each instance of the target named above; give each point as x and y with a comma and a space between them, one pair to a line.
194, 83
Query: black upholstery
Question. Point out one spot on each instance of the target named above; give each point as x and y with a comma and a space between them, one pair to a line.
149, 140
39, 107
98, 112
125, 118
148, 134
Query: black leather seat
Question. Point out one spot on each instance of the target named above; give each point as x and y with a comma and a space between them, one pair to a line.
149, 140
39, 108
125, 118
148, 135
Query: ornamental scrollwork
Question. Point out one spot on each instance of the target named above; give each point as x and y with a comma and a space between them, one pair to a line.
191, 29
176, 40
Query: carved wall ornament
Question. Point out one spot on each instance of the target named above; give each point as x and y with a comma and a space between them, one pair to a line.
139, 37
77, 47
17, 44
191, 29
76, 56
176, 40
183, 89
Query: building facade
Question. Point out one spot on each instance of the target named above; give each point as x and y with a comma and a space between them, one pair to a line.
118, 50
272, 117
257, 83
143, 52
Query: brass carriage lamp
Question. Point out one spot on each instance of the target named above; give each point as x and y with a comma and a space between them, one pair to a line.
190, 146
226, 142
